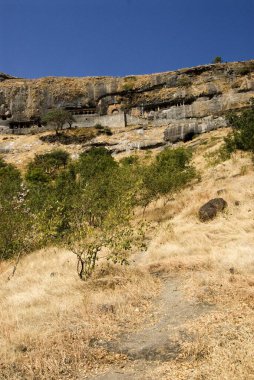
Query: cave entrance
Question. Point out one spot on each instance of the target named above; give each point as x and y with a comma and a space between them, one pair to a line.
189, 136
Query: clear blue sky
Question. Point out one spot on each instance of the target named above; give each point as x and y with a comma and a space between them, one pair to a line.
121, 37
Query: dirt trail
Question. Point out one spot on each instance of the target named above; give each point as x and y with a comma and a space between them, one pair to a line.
157, 341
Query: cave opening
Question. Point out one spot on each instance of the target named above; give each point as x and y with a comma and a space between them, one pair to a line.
189, 136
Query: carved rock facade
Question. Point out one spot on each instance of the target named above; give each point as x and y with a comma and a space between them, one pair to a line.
186, 101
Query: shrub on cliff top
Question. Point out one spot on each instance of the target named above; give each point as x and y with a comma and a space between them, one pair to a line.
217, 59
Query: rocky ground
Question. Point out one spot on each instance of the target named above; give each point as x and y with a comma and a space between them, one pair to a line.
160, 338
20, 149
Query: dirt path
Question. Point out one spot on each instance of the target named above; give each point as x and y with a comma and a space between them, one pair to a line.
158, 341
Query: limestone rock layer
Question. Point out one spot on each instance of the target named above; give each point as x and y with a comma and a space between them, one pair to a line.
193, 99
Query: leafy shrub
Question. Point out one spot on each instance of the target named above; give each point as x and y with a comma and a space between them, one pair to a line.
184, 81
86, 204
246, 69
130, 160
217, 59
170, 172
14, 221
242, 135
98, 126
46, 166
107, 131
129, 83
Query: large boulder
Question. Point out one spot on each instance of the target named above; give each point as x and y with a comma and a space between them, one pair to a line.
210, 209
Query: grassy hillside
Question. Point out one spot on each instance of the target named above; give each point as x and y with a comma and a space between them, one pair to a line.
55, 326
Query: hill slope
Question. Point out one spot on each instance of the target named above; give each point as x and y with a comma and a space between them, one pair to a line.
192, 291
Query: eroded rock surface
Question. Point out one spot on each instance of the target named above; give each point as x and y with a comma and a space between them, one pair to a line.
186, 101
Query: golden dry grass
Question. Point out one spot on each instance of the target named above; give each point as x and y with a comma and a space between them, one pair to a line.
48, 316
216, 263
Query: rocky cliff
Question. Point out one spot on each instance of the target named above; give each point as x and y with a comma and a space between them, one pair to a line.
187, 101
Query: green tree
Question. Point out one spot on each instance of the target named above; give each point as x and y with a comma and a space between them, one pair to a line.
217, 59
58, 117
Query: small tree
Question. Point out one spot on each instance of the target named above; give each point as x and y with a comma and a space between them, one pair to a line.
217, 59
58, 117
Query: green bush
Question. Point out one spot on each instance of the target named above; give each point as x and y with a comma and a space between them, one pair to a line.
85, 204
244, 70
14, 221
242, 135
184, 81
170, 172
217, 59
130, 160
46, 167
129, 83
98, 126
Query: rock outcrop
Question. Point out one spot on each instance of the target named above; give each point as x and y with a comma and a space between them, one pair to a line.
4, 76
187, 101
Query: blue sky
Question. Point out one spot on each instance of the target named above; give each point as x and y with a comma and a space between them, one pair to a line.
121, 37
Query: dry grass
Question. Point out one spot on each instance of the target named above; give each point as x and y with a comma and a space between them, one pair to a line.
216, 262
48, 316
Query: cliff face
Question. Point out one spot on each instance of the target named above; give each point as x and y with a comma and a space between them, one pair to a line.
188, 98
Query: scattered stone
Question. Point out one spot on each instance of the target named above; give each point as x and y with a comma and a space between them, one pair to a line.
237, 203
221, 191
210, 209
22, 348
106, 308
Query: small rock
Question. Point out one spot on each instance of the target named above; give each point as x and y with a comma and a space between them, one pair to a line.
106, 308
221, 191
210, 209
237, 203
22, 348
